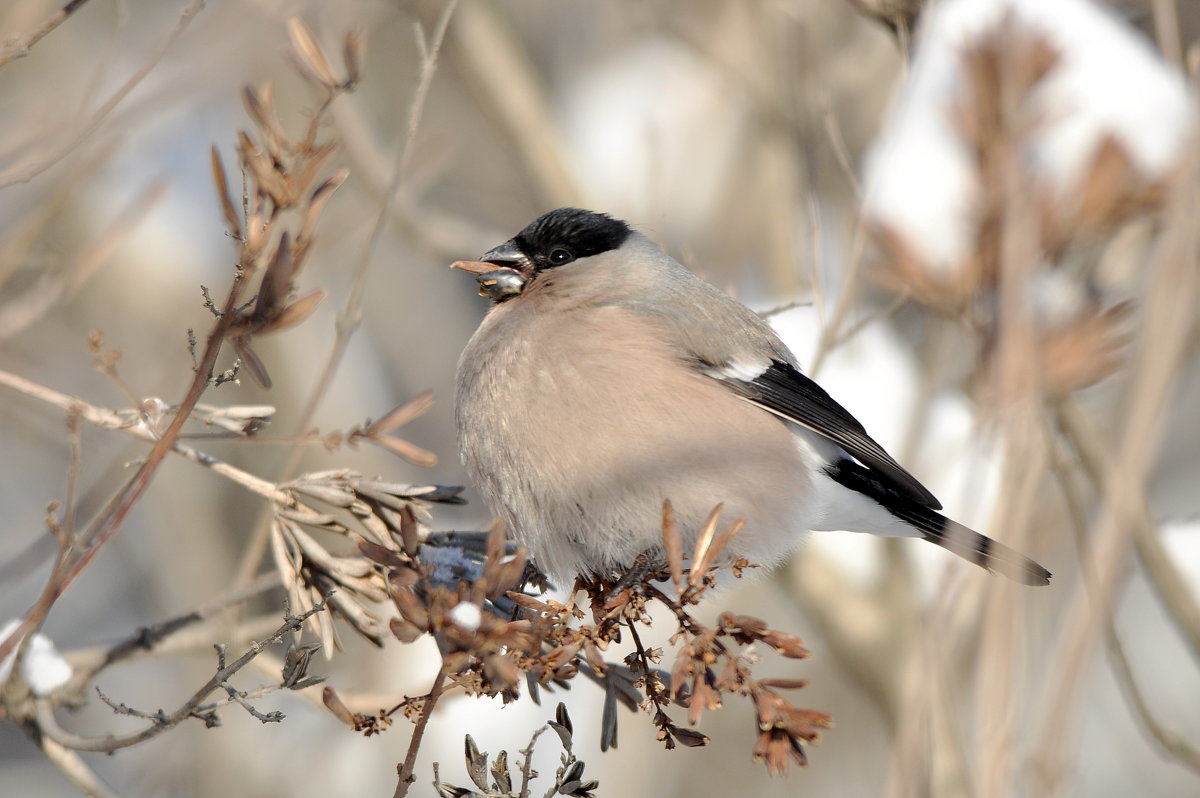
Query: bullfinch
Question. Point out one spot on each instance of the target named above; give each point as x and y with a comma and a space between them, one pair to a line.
606, 378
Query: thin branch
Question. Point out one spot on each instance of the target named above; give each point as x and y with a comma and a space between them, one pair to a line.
831, 333
900, 300
71, 765
350, 316
404, 773
114, 420
88, 663
109, 743
506, 87
1167, 317
1161, 571
527, 771
242, 700
785, 307
1166, 31
26, 172
1172, 744
72, 501
837, 140
21, 45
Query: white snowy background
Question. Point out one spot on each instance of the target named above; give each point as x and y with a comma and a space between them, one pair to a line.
752, 139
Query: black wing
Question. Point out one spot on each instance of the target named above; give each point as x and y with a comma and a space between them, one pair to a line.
787, 393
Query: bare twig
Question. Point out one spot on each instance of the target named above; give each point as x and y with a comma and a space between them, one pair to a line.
27, 171
20, 46
163, 721
71, 765
1166, 30
114, 420
527, 772
1173, 745
72, 501
1161, 571
1167, 318
88, 663
404, 772
837, 140
831, 334
488, 54
350, 316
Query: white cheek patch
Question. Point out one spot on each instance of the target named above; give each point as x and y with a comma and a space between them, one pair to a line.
735, 370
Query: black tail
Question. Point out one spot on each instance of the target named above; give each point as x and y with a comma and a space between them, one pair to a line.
937, 528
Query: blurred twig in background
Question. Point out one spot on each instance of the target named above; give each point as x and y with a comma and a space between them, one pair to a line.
1005, 293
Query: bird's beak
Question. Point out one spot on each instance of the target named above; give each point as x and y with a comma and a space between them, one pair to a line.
502, 272
507, 255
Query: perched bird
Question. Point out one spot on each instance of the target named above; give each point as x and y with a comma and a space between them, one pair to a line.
607, 378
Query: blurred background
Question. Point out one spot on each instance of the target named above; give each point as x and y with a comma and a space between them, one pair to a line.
735, 133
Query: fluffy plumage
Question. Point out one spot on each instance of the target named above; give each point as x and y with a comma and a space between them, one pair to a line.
607, 378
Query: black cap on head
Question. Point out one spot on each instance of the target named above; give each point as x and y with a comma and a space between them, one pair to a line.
563, 235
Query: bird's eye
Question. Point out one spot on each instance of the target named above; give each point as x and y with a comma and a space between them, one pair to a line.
560, 255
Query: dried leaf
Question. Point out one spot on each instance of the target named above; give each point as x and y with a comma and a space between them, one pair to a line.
316, 205
319, 556
335, 705
296, 312
402, 414
403, 577
251, 361
696, 574
784, 684
410, 538
309, 54
295, 666
527, 602
563, 717
379, 554
330, 494
410, 606
476, 764
409, 451
775, 748
508, 575
720, 542
788, 645
314, 166
227, 207
689, 738
261, 108
500, 773
350, 611
352, 57
672, 544
806, 724
564, 734
276, 281
746, 625
405, 630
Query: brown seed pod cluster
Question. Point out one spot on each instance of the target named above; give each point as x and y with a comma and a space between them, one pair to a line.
477, 602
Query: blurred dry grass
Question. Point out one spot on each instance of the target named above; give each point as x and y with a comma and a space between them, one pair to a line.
731, 132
